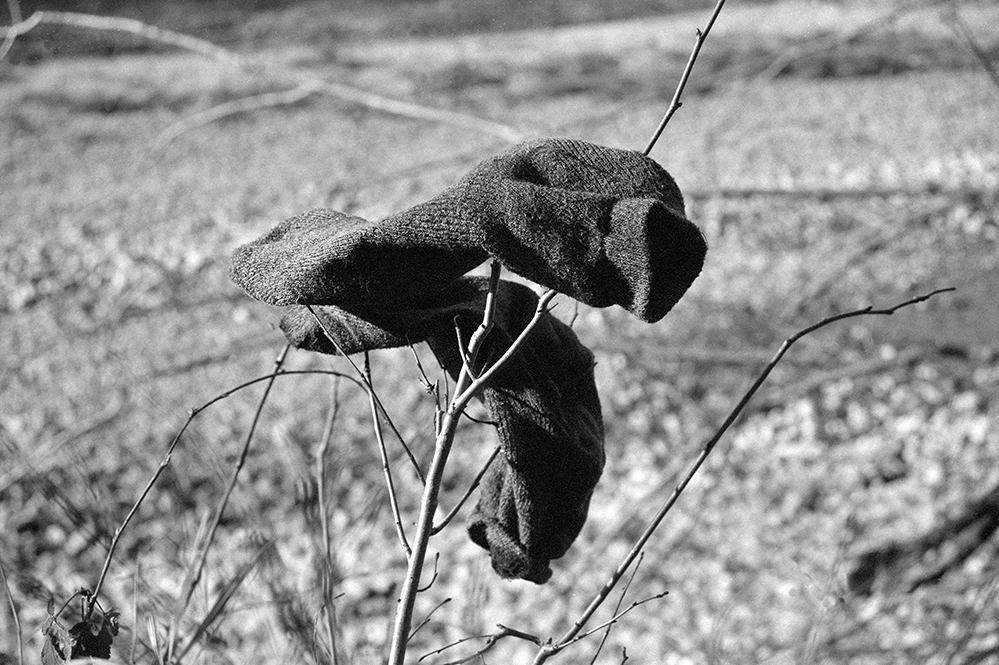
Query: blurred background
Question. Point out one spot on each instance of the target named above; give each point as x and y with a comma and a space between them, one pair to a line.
835, 154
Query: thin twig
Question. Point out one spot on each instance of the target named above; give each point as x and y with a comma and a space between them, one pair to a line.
386, 466
426, 619
464, 391
675, 103
547, 651
367, 384
470, 355
437, 558
265, 100
471, 488
451, 646
617, 607
610, 622
491, 642
13, 611
194, 577
165, 462
476, 385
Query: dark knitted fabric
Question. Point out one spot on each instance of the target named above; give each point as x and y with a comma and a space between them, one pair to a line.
602, 225
533, 502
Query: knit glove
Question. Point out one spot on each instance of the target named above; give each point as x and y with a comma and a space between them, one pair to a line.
533, 501
602, 225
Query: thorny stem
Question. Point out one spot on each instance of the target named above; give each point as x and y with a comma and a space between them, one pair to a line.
193, 579
551, 649
675, 103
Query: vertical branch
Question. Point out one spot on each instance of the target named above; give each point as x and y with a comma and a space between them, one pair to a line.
675, 103
464, 391
386, 466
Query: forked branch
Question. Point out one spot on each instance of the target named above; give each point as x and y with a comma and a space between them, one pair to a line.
548, 650
465, 389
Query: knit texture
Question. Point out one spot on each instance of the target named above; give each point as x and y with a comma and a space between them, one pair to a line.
534, 499
602, 225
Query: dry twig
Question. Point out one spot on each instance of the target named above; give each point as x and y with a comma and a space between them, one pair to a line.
490, 643
465, 389
471, 488
676, 103
551, 649
617, 608
426, 619
165, 462
386, 467
371, 391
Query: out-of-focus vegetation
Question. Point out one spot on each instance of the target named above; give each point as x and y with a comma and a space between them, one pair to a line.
861, 174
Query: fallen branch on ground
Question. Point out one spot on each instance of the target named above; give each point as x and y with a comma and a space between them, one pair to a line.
306, 84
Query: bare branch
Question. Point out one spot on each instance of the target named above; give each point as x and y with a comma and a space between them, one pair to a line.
236, 107
165, 462
464, 391
463, 397
546, 652
471, 488
617, 607
675, 103
610, 622
426, 619
490, 643
451, 646
386, 466
367, 386
437, 558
